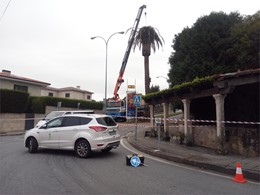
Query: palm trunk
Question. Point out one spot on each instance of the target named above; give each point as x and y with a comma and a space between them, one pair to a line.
147, 79
146, 51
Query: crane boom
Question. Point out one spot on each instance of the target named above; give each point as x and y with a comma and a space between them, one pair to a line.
120, 79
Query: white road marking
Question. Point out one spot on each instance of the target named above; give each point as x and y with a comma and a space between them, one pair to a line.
130, 148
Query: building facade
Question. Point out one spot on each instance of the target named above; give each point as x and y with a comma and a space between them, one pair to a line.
18, 83
40, 88
67, 92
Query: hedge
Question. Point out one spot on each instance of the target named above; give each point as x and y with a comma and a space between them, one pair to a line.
38, 104
12, 101
197, 83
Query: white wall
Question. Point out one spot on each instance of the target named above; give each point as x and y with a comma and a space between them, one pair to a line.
33, 90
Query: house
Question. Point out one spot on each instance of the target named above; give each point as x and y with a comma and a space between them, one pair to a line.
68, 92
18, 83
40, 88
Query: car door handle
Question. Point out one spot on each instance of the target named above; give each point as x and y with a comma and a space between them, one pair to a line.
75, 129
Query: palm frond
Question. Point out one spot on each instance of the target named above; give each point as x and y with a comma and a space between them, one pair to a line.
148, 35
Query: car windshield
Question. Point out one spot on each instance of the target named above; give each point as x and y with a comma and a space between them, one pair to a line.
106, 121
53, 114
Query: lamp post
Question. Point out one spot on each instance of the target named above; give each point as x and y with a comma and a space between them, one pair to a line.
106, 42
162, 77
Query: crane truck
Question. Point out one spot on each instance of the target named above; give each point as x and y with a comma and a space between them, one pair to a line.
115, 106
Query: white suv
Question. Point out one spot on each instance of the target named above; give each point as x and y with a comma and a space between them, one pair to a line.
79, 132
54, 114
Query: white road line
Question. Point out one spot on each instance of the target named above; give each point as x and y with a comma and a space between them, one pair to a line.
130, 148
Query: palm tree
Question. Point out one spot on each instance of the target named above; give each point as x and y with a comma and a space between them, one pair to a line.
146, 38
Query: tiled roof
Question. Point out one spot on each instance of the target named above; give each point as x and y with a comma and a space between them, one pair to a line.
8, 75
237, 74
68, 89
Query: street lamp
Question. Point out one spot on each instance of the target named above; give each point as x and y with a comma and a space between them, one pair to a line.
162, 77
106, 42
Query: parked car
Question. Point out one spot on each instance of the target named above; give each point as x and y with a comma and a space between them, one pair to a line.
82, 133
54, 114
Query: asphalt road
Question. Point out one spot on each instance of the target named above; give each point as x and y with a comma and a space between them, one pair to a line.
62, 172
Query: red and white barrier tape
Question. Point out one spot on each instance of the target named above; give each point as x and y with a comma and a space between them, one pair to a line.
168, 119
201, 121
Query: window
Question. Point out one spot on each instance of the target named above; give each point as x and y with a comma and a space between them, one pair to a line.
85, 121
88, 97
54, 114
106, 121
71, 121
114, 104
55, 123
50, 94
67, 95
20, 88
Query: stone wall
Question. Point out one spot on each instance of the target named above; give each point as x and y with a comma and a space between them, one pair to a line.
239, 140
243, 140
18, 123
11, 123
205, 136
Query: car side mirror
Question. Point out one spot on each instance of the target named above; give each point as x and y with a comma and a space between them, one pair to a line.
43, 126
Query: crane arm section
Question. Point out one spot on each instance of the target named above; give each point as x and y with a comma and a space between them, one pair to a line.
120, 79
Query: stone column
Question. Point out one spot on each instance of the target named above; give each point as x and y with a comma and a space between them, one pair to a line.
187, 130
220, 116
165, 121
151, 115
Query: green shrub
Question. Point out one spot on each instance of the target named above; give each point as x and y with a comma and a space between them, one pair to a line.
38, 104
12, 101
177, 90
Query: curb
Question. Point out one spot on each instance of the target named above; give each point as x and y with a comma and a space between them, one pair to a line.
11, 133
206, 166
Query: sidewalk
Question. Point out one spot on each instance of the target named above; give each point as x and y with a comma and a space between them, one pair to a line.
196, 156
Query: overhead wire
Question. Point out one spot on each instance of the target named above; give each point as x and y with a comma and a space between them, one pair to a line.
5, 10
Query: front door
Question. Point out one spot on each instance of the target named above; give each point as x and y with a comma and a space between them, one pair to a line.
49, 135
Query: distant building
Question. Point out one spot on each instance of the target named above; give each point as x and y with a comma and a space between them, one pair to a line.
18, 83
68, 92
40, 88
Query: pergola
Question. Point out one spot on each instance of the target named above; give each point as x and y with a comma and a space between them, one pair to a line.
219, 88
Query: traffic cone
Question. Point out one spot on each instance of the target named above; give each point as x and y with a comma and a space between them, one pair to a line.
239, 175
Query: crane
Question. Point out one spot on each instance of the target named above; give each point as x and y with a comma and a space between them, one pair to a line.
115, 106
120, 79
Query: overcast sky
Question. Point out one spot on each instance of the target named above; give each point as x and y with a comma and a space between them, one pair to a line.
49, 40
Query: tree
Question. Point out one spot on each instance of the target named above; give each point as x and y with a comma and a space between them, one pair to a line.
154, 88
146, 38
245, 39
214, 44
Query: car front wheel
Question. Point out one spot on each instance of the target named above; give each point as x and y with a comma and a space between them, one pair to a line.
82, 149
33, 145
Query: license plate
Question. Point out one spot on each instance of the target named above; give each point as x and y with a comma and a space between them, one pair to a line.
112, 132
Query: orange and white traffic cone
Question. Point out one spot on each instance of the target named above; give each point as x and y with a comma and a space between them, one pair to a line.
239, 176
